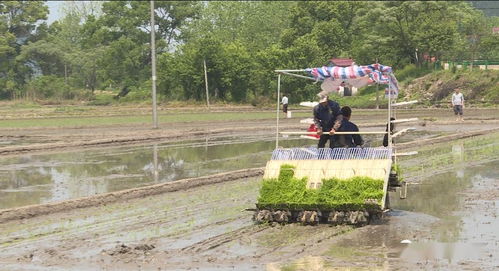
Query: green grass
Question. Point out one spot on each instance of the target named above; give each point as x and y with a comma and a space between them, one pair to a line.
139, 119
335, 194
363, 101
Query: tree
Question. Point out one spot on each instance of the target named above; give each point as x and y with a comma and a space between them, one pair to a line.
401, 32
18, 25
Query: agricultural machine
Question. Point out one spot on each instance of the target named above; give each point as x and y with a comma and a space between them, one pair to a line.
339, 185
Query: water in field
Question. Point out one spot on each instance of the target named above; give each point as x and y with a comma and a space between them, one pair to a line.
449, 218
444, 233
32, 179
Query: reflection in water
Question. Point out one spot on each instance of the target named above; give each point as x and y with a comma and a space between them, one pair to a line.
446, 252
33, 179
155, 159
458, 155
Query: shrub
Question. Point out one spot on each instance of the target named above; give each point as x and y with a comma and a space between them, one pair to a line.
411, 71
137, 95
48, 86
53, 88
493, 94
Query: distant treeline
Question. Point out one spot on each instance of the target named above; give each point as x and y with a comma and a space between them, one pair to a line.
106, 45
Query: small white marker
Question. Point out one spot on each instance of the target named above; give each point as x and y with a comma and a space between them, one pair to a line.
405, 241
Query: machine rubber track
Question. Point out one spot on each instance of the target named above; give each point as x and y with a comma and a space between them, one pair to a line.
314, 217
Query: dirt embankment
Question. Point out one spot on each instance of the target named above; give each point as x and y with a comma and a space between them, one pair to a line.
477, 86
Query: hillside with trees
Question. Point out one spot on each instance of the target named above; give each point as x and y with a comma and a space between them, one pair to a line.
105, 46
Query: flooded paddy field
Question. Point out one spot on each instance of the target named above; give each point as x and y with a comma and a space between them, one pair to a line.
51, 177
451, 208
42, 178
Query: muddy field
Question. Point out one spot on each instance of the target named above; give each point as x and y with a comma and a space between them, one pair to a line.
15, 141
451, 209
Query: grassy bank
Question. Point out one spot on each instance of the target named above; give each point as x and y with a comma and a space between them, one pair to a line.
142, 119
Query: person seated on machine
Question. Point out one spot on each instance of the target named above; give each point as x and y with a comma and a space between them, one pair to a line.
352, 140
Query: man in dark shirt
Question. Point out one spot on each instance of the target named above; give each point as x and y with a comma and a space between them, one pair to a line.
347, 141
327, 119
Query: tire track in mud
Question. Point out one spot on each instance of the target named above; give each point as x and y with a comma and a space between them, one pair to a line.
221, 239
309, 239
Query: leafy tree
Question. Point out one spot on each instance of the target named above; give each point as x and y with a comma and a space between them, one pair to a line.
18, 24
402, 32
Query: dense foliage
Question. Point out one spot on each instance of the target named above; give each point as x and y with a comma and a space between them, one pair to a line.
106, 45
286, 191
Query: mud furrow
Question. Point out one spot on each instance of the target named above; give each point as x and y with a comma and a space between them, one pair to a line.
124, 221
221, 239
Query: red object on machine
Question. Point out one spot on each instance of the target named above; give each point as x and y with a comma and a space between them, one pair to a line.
312, 128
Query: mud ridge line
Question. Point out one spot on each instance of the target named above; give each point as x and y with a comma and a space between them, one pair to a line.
440, 139
40, 209
168, 135
130, 140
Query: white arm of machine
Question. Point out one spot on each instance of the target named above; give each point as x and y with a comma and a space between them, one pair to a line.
399, 133
405, 103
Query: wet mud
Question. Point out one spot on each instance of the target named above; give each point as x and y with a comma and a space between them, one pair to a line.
42, 140
452, 207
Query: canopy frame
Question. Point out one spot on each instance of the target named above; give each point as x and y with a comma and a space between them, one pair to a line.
292, 73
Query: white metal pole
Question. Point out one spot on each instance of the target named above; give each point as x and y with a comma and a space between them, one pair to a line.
206, 84
299, 76
336, 133
277, 113
389, 116
377, 96
153, 61
300, 70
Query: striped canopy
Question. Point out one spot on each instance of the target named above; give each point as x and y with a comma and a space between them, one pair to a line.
356, 76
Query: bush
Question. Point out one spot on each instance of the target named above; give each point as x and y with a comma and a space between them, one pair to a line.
137, 95
47, 86
50, 87
102, 100
262, 101
493, 94
411, 71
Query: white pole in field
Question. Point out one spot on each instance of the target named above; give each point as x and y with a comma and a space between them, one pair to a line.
153, 61
206, 84
277, 113
389, 116
377, 96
